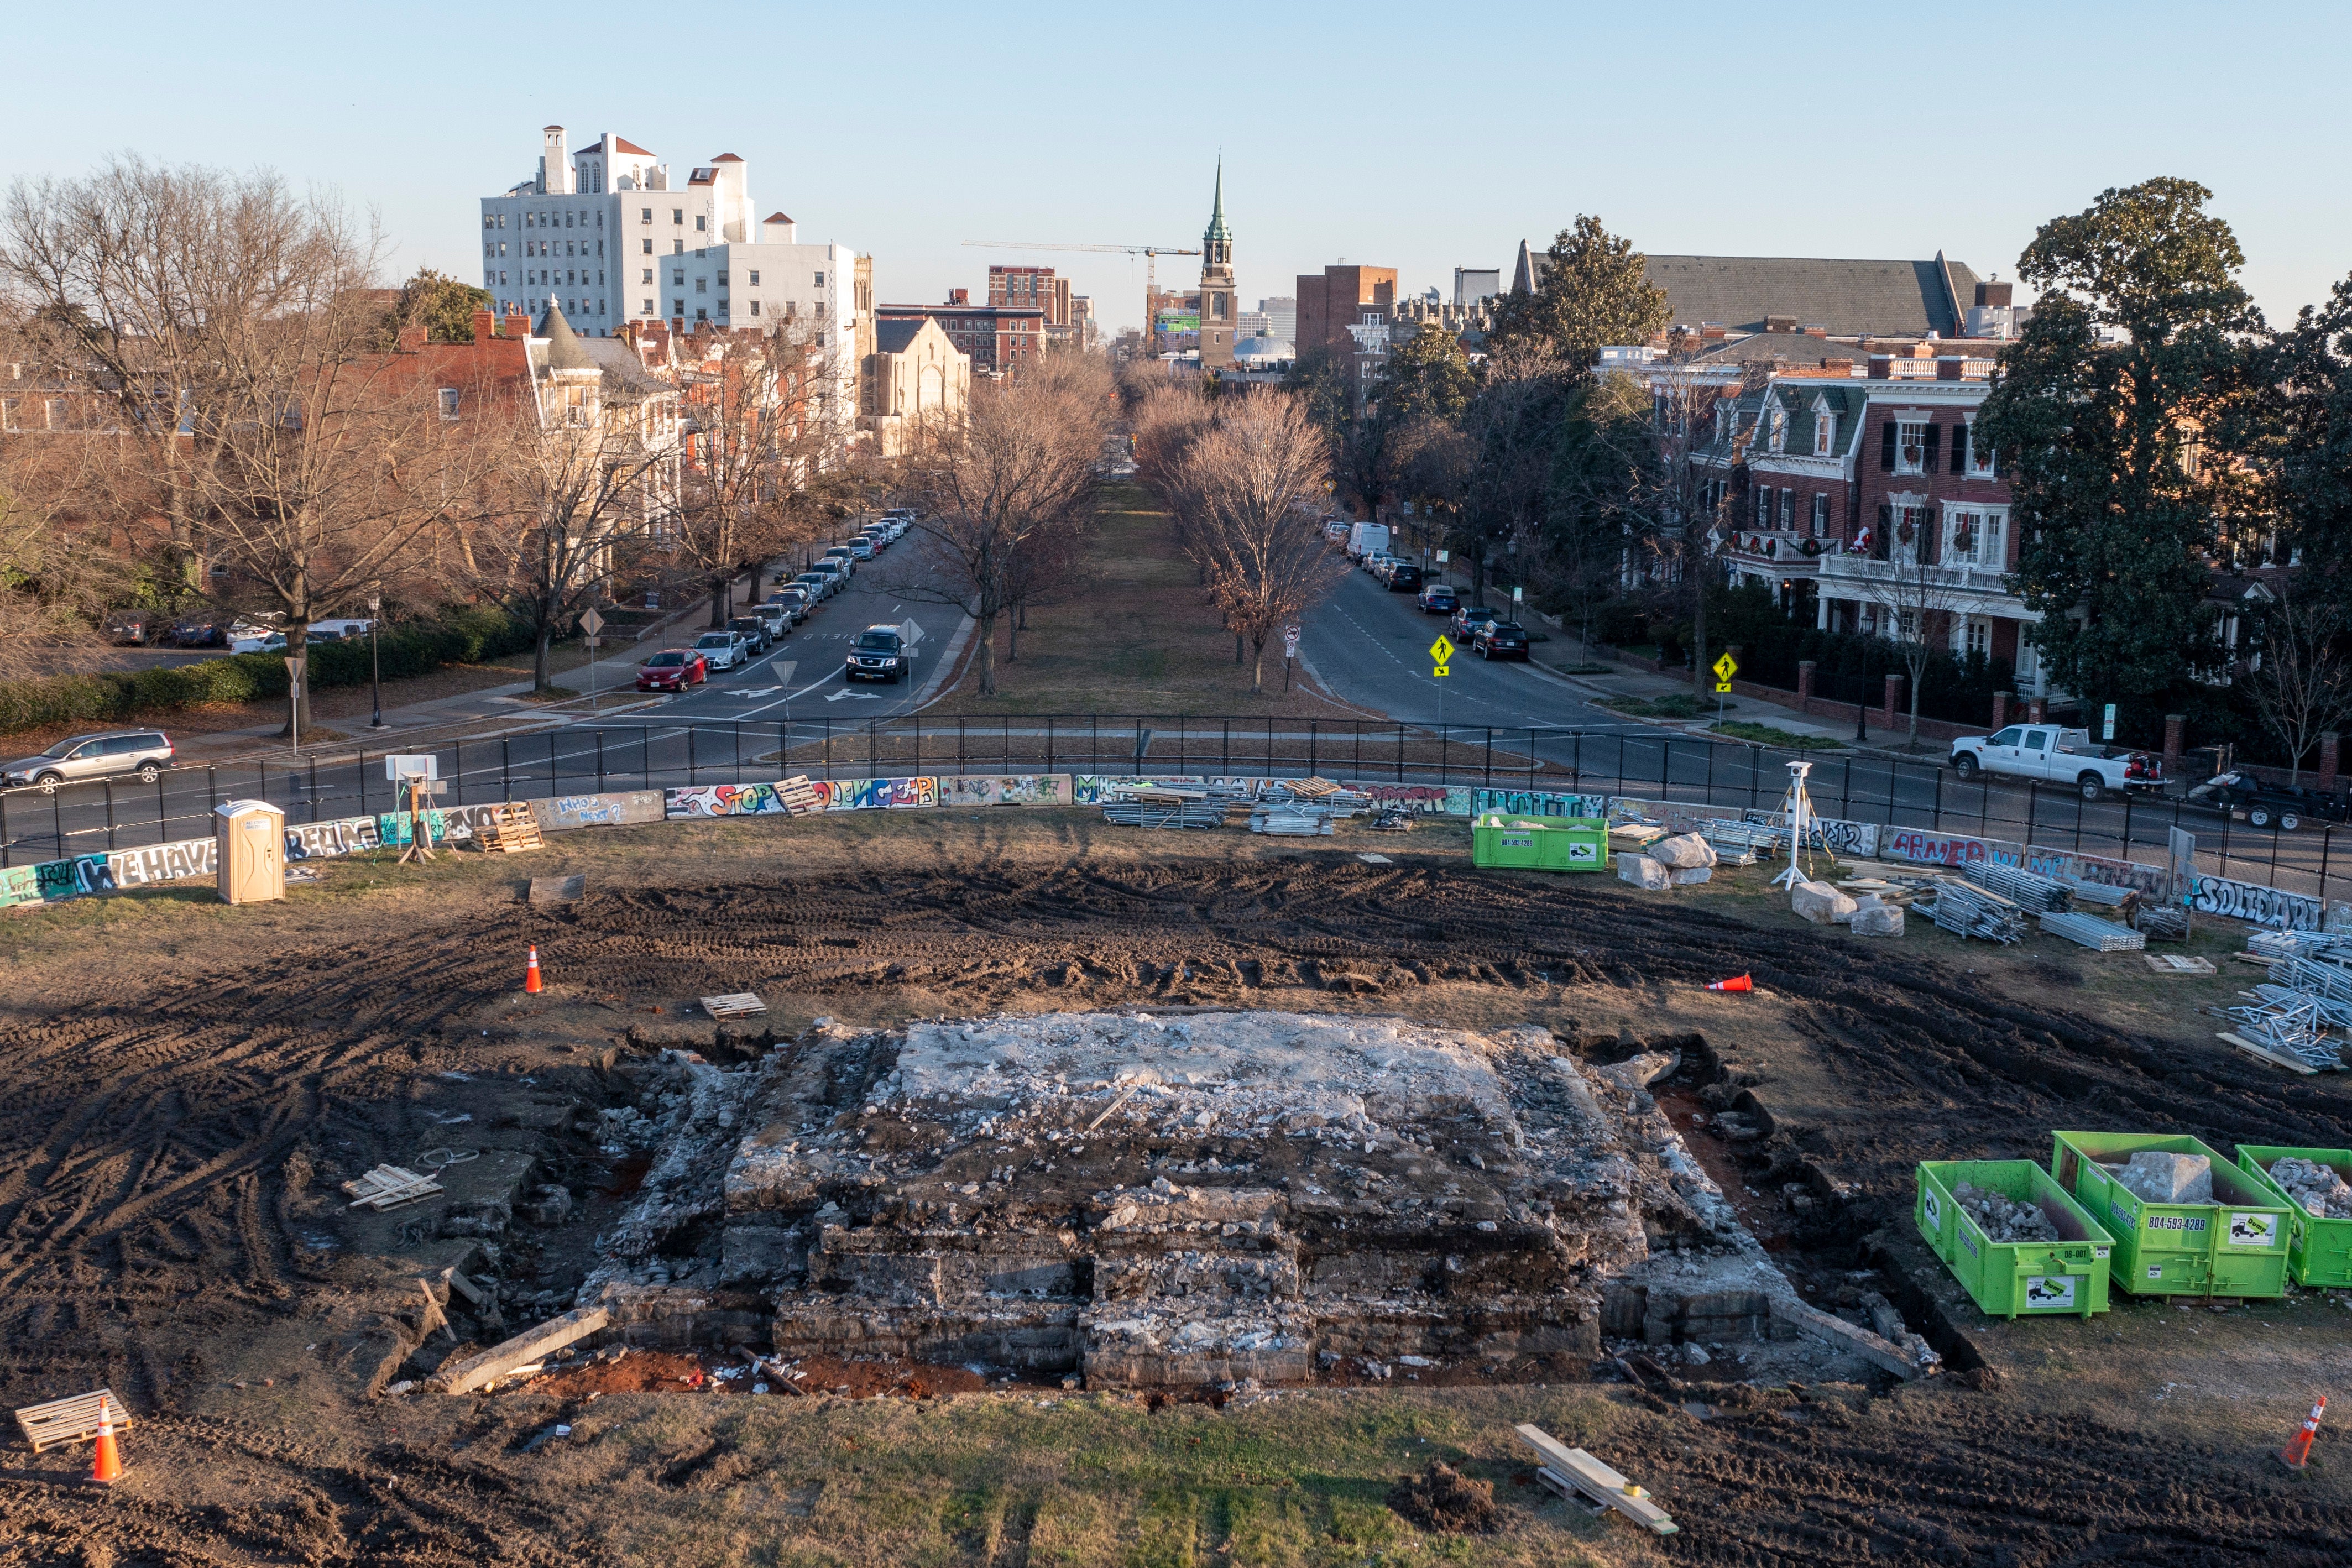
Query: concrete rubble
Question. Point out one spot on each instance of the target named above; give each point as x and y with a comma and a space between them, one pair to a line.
1684, 852
2322, 1192
2002, 1220
1820, 903
1176, 1200
2158, 1177
1873, 917
1642, 871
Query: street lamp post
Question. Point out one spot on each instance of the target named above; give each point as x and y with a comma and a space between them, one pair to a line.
375, 660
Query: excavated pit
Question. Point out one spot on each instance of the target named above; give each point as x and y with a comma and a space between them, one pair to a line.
1171, 1200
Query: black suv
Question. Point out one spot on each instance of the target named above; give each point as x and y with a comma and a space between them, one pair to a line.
878, 653
753, 630
1499, 639
1404, 577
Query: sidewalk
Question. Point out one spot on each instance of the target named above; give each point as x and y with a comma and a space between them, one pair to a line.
1563, 651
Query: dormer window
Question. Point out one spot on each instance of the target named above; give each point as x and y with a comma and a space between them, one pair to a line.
1780, 428
1824, 430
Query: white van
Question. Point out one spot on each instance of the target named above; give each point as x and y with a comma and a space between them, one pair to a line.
1365, 538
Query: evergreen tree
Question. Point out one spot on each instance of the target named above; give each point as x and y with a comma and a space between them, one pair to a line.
2311, 366
2119, 417
1596, 293
1427, 377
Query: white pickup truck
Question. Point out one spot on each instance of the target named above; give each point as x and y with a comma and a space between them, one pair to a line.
2062, 756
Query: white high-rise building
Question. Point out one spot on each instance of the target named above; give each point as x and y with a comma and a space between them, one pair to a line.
604, 233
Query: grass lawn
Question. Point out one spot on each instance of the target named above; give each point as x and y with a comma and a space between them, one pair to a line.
1135, 635
1674, 705
1770, 735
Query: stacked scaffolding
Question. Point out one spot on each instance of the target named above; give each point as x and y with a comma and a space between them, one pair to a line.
2098, 935
2293, 1028
1969, 911
2022, 887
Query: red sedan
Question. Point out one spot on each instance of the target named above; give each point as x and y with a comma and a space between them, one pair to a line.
673, 669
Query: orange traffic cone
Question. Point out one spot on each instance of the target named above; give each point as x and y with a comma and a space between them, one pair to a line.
531, 972
1737, 983
109, 1468
2297, 1452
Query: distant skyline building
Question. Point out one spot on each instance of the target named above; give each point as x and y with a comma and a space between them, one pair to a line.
1281, 312
1473, 285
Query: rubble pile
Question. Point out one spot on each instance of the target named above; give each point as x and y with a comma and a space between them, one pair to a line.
1443, 1498
2318, 1188
1192, 1200
2002, 1219
2158, 1177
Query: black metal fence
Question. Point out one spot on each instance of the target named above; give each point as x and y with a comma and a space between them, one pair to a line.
1654, 764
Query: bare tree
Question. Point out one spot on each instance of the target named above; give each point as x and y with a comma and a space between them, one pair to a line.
57, 573
1916, 600
1255, 478
2301, 680
1023, 467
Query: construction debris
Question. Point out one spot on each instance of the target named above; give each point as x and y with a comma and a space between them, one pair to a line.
511, 830
2320, 1189
1873, 917
1572, 1472
1391, 819
519, 1352
558, 890
736, 1004
1820, 903
2158, 1177
2098, 935
2160, 922
2105, 895
389, 1187
1291, 821
1642, 871
1683, 852
2295, 1029
1442, 1497
2178, 963
2018, 887
1971, 910
2002, 1220
1178, 813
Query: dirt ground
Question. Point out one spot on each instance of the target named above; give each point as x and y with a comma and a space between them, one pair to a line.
190, 1082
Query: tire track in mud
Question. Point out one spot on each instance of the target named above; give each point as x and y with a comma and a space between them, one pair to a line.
145, 1177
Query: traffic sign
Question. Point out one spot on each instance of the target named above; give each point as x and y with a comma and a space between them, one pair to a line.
1289, 642
1722, 685
1440, 651
591, 623
1442, 671
1724, 668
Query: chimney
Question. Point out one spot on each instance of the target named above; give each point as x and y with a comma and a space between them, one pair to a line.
1710, 332
958, 296
517, 324
411, 340
1948, 367
1816, 330
484, 325
1882, 367
1838, 366
1779, 323
2000, 294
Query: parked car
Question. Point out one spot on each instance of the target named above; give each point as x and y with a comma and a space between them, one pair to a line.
2062, 755
723, 650
1470, 617
1403, 578
836, 573
794, 601
340, 629
673, 669
130, 630
257, 639
1439, 599
843, 553
1499, 639
146, 752
199, 631
774, 620
2287, 807
819, 585
878, 653
755, 633
860, 548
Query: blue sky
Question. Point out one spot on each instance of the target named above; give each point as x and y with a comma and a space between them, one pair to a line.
1420, 137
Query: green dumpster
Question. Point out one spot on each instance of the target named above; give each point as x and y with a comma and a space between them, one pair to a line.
2318, 1250
2235, 1246
1554, 844
2007, 1277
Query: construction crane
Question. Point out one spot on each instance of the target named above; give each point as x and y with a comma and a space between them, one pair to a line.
1151, 253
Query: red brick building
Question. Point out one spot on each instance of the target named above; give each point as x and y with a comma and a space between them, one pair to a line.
1001, 338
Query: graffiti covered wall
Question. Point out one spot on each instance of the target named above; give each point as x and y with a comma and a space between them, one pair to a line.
565, 811
725, 800
1007, 789
874, 794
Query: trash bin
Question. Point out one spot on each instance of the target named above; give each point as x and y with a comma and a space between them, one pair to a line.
1555, 843
2006, 1278
251, 841
2318, 1249
2235, 1246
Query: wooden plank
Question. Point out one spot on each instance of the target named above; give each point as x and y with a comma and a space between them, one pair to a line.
736, 1004
531, 1345
388, 1186
1597, 1481
69, 1420
2261, 959
2276, 1059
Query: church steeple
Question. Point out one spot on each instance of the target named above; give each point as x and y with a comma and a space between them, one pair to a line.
1217, 240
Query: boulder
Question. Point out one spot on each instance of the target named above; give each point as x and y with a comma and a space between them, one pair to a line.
1877, 920
1820, 903
1643, 872
1683, 876
2158, 1177
1684, 851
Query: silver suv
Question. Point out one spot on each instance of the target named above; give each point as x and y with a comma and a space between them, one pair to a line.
146, 752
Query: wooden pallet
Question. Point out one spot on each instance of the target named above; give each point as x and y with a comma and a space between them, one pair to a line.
738, 1004
511, 830
798, 796
73, 1420
2264, 1053
2174, 964
1572, 1470
1312, 788
388, 1187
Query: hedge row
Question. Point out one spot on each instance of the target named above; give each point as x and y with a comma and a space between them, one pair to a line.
461, 636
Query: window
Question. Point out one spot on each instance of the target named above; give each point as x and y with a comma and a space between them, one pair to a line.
677, 215
649, 304
448, 403
702, 285
1780, 428
700, 223
755, 306
1763, 506
1824, 433
8, 413
647, 278
1976, 536
649, 215
723, 278
1787, 512
820, 280
1976, 637
1979, 462
678, 307
755, 277
567, 220
678, 275
1821, 515
1913, 445
677, 247
55, 411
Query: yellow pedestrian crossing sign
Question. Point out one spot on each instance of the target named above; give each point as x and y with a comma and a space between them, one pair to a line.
1440, 651
1726, 667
